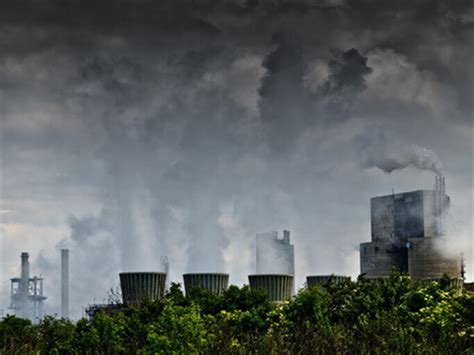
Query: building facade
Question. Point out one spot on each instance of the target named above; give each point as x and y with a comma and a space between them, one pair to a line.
407, 234
275, 255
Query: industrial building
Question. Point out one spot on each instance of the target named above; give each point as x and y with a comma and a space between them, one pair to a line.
275, 255
407, 230
26, 293
165, 266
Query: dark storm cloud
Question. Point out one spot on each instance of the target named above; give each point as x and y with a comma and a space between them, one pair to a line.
183, 128
347, 74
346, 80
284, 101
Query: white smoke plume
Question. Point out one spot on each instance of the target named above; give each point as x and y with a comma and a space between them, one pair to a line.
389, 156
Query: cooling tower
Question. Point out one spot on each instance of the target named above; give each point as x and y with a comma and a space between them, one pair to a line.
140, 286
323, 280
427, 261
277, 286
214, 282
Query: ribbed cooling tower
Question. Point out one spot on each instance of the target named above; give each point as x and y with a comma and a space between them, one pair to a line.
139, 286
277, 286
214, 282
323, 280
426, 259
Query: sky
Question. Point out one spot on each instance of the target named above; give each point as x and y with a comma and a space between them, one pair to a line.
131, 130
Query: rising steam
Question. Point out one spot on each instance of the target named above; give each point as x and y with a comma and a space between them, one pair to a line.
390, 156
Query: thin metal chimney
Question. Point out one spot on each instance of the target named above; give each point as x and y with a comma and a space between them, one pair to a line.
65, 283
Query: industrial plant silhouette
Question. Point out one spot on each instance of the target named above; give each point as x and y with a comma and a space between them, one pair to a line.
407, 235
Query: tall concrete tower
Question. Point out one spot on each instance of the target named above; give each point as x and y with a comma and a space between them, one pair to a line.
165, 265
23, 287
65, 283
275, 255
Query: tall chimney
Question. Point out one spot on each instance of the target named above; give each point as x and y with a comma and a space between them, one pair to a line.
24, 284
65, 283
25, 269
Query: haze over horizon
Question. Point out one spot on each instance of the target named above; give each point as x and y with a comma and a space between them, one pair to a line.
135, 129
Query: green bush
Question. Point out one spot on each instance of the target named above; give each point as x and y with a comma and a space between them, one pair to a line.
393, 315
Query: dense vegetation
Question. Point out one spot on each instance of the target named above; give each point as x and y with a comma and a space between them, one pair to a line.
393, 315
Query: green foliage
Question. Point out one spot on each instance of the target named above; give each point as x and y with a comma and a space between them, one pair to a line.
392, 315
177, 329
16, 334
54, 335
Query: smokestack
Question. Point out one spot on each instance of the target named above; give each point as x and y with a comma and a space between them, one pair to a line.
25, 268
65, 283
25, 276
24, 286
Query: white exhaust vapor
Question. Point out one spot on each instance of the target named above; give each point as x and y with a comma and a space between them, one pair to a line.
389, 157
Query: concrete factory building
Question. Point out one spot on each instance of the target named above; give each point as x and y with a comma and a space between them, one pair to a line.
275, 255
408, 230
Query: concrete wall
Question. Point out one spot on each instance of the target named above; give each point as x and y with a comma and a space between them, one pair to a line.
382, 218
433, 203
378, 259
408, 216
414, 214
427, 260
